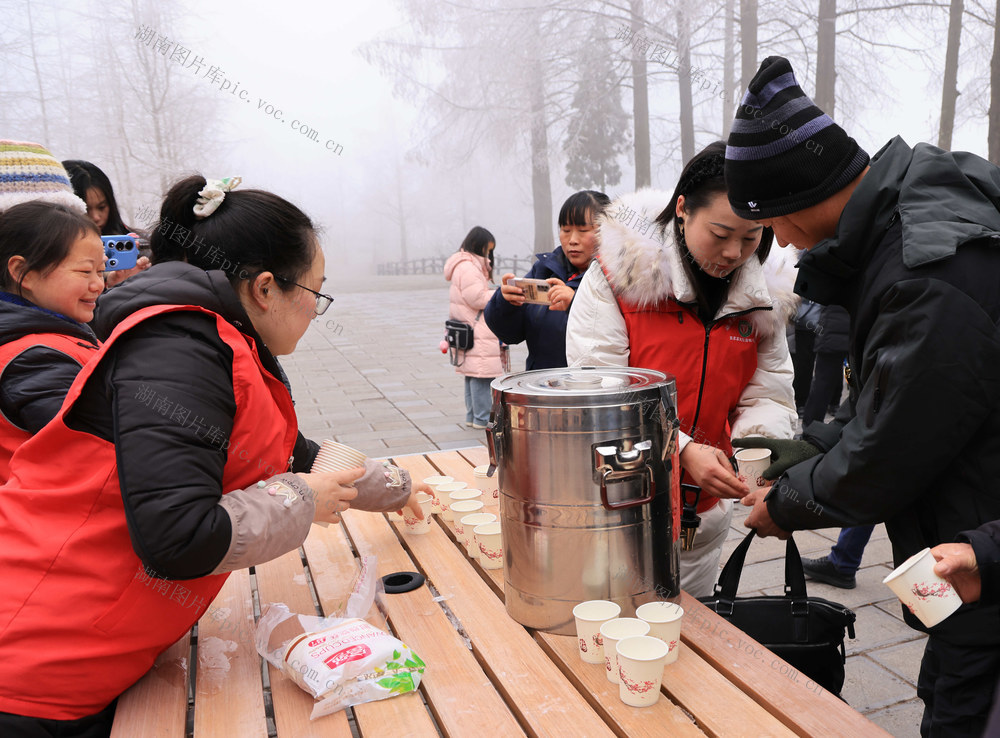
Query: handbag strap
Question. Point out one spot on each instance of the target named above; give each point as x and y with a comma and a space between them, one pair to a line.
729, 581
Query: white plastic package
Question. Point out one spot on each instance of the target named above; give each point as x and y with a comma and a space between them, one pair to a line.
340, 661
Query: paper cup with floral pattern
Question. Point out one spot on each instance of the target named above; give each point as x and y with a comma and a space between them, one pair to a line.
590, 616
464, 526
490, 545
640, 669
433, 482
923, 592
487, 483
443, 492
614, 631
464, 507
751, 463
413, 524
664, 620
469, 493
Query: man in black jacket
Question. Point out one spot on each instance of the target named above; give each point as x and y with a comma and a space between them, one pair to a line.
909, 244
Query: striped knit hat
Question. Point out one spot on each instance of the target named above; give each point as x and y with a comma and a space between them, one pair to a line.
28, 171
784, 154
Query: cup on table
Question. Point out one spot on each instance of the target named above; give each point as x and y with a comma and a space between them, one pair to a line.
412, 523
433, 482
488, 484
751, 463
590, 616
640, 669
464, 526
443, 492
923, 592
664, 620
469, 493
490, 545
464, 507
614, 631
333, 456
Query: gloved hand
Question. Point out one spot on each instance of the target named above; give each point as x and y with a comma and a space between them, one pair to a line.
785, 453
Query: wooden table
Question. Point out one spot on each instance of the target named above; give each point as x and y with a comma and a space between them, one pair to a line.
486, 674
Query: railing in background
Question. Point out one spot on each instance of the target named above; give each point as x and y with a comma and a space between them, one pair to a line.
435, 265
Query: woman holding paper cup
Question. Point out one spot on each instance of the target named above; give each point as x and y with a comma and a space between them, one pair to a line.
679, 285
167, 466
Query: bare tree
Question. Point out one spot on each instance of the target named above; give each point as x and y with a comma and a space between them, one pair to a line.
728, 66
748, 40
949, 85
684, 81
640, 100
826, 56
993, 135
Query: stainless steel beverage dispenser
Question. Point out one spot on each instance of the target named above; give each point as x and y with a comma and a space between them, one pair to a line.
589, 490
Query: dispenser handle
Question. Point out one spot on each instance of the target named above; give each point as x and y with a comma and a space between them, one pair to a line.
494, 434
619, 463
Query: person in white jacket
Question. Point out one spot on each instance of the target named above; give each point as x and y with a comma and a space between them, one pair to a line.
678, 285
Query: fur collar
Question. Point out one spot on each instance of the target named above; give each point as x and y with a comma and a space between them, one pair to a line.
643, 265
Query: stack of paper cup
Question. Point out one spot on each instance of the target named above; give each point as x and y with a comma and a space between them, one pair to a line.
590, 616
488, 484
640, 669
490, 545
335, 456
923, 592
664, 620
433, 483
464, 526
614, 631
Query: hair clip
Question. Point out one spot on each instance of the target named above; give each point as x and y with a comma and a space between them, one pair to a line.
210, 197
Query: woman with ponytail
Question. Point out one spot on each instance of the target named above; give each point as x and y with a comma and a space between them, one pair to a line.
678, 285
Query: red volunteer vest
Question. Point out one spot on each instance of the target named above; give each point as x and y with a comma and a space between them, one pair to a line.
711, 369
11, 437
80, 621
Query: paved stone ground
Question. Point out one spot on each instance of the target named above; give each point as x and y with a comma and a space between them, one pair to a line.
369, 373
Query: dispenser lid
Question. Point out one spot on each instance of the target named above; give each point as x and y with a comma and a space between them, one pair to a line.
586, 385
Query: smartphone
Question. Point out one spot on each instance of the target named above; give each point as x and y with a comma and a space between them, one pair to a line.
120, 252
535, 290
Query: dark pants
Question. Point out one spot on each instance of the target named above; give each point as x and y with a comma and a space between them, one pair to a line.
956, 684
827, 386
92, 726
850, 547
802, 364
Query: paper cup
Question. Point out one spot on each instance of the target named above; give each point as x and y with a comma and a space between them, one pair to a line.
414, 525
333, 456
467, 494
590, 616
751, 463
464, 526
443, 492
640, 669
486, 483
433, 482
490, 546
664, 620
464, 507
614, 631
923, 592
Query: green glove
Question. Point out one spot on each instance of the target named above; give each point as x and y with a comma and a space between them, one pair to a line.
784, 453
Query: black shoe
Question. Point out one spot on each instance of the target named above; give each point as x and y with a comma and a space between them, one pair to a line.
823, 570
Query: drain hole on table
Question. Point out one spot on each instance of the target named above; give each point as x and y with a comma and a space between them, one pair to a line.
402, 581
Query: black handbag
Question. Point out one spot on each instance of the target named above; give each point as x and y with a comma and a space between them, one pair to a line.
807, 632
460, 337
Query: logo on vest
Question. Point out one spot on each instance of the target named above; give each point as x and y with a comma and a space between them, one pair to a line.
744, 327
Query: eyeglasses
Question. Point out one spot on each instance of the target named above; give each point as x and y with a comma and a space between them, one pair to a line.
322, 301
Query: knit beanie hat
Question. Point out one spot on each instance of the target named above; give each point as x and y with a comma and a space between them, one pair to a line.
28, 171
784, 154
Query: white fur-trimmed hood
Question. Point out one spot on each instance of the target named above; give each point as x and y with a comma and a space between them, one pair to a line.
644, 268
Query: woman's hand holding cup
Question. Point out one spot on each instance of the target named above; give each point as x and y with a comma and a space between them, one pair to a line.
411, 503
333, 492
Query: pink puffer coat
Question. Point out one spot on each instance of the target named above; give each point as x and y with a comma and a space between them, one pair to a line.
470, 291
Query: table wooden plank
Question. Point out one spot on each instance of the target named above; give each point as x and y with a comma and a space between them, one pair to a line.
803, 706
229, 697
333, 567
477, 455
518, 665
655, 721
283, 580
156, 705
459, 693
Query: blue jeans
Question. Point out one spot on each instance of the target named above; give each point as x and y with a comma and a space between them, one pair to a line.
850, 547
478, 400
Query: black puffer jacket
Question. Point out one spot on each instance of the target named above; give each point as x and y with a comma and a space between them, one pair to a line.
915, 262
186, 538
34, 383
